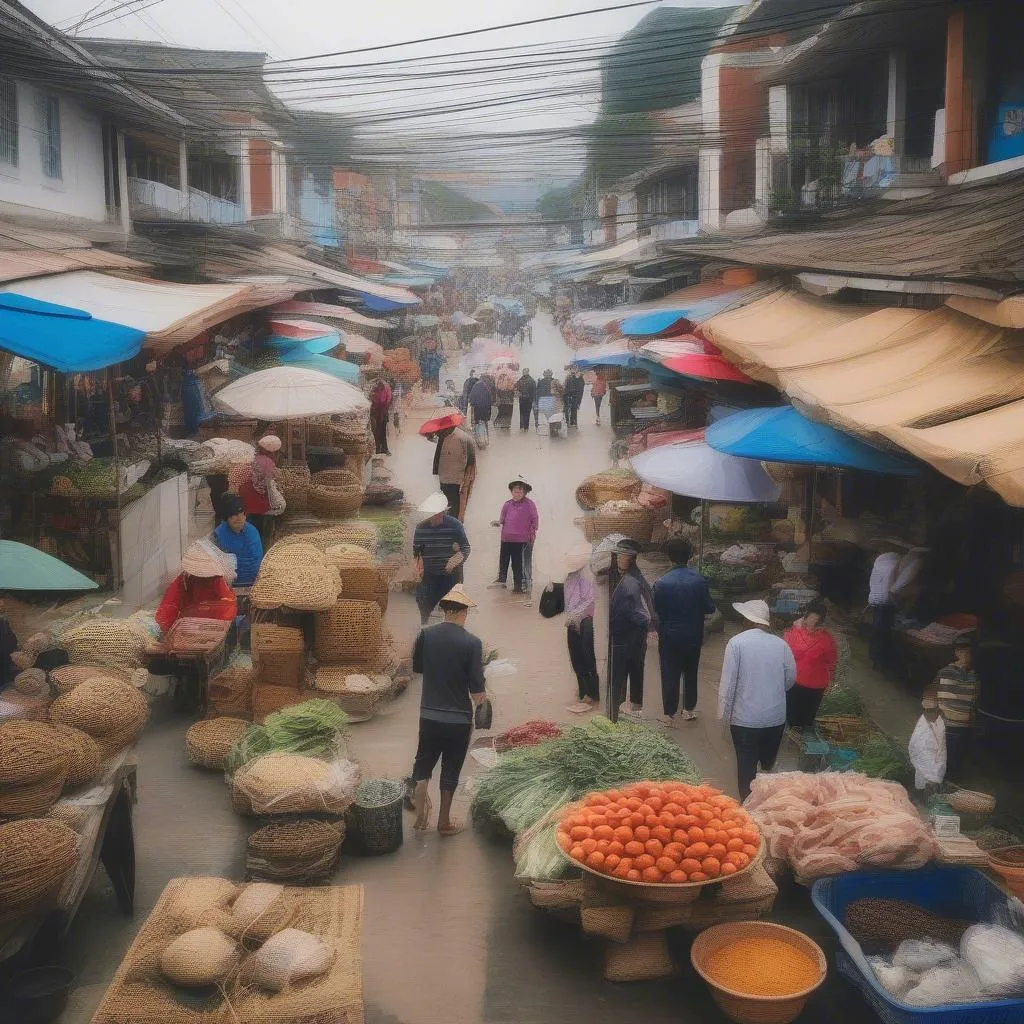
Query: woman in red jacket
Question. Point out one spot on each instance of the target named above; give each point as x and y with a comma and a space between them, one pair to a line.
815, 652
200, 591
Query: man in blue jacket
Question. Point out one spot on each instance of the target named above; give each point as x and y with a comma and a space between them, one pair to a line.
239, 538
681, 600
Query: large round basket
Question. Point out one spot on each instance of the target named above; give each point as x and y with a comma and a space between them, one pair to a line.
293, 483
35, 857
102, 706
661, 892
360, 578
209, 743
602, 487
30, 753
295, 849
359, 702
375, 817
626, 517
336, 478
967, 801
350, 631
67, 677
83, 753
335, 500
739, 1006
230, 693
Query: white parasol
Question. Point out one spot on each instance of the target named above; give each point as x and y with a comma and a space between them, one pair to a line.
289, 393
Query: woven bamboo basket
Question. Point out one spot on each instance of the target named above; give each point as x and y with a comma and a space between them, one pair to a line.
967, 801
83, 753
229, 693
295, 583
286, 784
602, 487
31, 799
35, 858
336, 478
293, 483
304, 848
740, 1006
383, 592
279, 654
208, 743
350, 631
844, 729
588, 524
626, 517
30, 753
266, 699
335, 501
32, 683
109, 641
35, 709
360, 578
67, 677
114, 742
349, 691
359, 532
102, 707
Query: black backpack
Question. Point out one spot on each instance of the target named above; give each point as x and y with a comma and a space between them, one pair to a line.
552, 600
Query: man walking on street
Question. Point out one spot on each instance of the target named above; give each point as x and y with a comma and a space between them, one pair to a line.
630, 619
450, 659
455, 467
572, 396
526, 386
545, 398
759, 668
439, 547
681, 600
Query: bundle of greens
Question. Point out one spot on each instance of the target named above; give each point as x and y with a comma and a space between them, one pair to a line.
391, 527
839, 700
880, 758
529, 781
314, 729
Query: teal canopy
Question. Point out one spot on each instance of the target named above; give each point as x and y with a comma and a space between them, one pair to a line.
26, 568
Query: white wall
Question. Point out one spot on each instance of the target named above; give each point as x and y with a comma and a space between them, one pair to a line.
80, 190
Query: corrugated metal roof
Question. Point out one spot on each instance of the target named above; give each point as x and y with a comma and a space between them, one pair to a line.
969, 232
17, 264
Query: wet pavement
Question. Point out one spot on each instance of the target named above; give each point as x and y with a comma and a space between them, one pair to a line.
449, 937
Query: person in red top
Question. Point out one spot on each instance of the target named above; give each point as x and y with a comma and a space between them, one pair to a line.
255, 492
815, 652
380, 406
200, 591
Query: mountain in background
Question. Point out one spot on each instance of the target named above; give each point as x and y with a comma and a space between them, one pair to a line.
443, 204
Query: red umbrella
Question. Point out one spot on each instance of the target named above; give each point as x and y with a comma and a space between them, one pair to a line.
706, 366
445, 419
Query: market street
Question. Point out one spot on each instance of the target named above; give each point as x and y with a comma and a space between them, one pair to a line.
441, 908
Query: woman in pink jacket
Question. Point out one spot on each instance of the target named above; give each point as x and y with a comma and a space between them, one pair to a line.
518, 521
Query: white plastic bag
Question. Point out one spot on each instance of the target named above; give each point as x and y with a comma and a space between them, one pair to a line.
997, 956
499, 668
923, 954
954, 983
897, 981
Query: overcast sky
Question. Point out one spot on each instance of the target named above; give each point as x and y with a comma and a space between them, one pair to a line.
305, 28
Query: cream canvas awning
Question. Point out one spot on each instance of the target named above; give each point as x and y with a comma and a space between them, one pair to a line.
946, 386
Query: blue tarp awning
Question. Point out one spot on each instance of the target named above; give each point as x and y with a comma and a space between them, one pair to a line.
649, 325
66, 339
782, 434
338, 368
382, 305
310, 346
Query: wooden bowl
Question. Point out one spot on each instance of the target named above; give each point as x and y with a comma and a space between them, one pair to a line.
740, 1006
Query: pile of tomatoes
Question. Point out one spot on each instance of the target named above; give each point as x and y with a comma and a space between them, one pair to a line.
660, 832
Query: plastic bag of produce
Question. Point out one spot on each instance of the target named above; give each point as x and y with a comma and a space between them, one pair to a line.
997, 956
897, 981
499, 669
954, 983
281, 783
922, 954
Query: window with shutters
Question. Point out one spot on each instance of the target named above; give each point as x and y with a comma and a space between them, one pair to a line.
8, 122
49, 137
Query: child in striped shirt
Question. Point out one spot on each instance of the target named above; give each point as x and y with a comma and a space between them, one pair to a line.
958, 689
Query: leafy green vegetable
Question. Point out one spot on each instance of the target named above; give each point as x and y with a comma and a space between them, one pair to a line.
540, 857
839, 700
313, 728
529, 781
880, 758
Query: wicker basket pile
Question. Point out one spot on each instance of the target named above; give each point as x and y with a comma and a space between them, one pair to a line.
290, 578
335, 493
279, 654
35, 859
266, 699
629, 518
111, 641
67, 677
301, 850
293, 483
355, 531
34, 764
359, 695
229, 693
607, 486
208, 743
360, 577
349, 631
112, 712
83, 755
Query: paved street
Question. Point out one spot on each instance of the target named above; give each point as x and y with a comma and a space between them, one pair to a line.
449, 937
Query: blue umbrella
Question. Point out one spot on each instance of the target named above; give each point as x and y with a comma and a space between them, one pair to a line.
649, 325
26, 568
338, 368
782, 434
309, 347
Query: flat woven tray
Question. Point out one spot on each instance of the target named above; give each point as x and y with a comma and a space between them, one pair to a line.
137, 995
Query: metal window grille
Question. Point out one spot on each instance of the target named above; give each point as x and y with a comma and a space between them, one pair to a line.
8, 122
50, 137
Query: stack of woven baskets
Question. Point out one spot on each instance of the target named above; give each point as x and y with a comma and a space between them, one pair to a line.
34, 767
629, 518
36, 856
293, 483
295, 576
610, 485
335, 493
279, 659
361, 578
120, 642
229, 693
111, 712
208, 743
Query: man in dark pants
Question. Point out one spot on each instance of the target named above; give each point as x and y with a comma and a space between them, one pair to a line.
526, 387
451, 661
439, 547
630, 620
681, 600
758, 670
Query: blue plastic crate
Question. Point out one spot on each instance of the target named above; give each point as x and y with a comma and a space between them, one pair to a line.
948, 891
